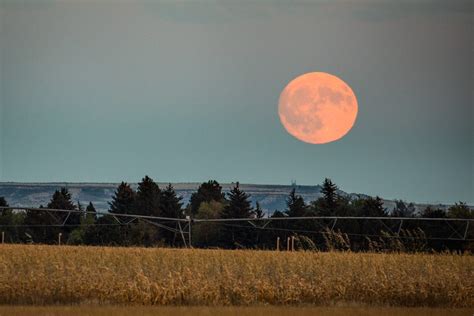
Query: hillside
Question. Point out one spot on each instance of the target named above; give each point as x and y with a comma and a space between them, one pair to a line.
270, 197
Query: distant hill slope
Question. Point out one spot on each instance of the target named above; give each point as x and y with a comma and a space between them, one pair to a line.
270, 197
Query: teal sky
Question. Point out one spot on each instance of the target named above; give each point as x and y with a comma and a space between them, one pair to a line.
104, 91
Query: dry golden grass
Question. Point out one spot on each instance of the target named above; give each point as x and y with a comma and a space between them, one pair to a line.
69, 275
81, 310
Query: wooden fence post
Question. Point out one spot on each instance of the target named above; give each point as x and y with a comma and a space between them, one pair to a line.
292, 243
3, 237
59, 239
288, 244
278, 244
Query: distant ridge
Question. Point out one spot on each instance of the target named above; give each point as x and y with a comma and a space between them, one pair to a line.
270, 196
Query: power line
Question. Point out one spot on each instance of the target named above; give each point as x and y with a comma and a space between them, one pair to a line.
333, 218
94, 213
65, 225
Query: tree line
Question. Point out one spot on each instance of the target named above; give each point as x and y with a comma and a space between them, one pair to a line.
85, 226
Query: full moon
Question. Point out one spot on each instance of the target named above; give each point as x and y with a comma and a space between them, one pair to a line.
317, 108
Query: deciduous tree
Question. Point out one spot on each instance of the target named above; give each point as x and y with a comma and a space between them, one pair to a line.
207, 192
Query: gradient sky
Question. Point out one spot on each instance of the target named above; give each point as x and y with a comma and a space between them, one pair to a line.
103, 91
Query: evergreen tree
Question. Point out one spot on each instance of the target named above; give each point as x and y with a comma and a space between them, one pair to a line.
258, 211
431, 212
171, 204
111, 231
344, 207
39, 234
327, 205
411, 210
3, 202
403, 210
91, 213
62, 200
295, 205
207, 192
171, 207
372, 207
107, 232
239, 204
39, 221
123, 201
6, 218
460, 210
6, 215
88, 231
148, 198
147, 202
366, 207
330, 196
80, 216
80, 208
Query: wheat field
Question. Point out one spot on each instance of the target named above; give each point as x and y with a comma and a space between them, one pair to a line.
81, 310
43, 275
